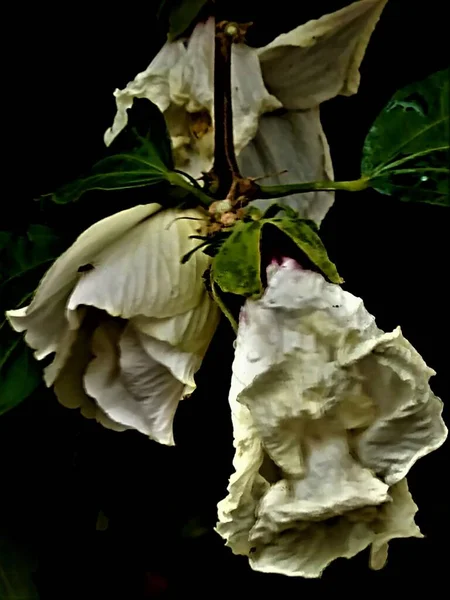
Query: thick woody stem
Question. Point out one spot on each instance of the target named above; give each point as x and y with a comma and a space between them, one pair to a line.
225, 169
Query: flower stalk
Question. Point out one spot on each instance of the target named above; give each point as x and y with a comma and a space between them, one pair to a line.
225, 179
277, 191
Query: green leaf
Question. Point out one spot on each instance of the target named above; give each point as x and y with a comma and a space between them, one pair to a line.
140, 156
16, 570
180, 15
123, 171
20, 374
304, 234
5, 239
407, 149
236, 268
24, 259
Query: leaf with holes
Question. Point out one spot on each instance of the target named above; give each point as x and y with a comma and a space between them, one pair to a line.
236, 268
304, 234
407, 149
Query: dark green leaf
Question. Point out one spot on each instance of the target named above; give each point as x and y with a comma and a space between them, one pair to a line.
236, 268
145, 122
20, 374
123, 171
180, 15
5, 239
304, 234
16, 570
24, 260
407, 149
140, 156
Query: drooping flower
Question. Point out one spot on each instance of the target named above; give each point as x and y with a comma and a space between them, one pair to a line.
296, 72
126, 322
329, 415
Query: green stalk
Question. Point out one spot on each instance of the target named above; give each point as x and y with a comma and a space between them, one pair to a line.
278, 191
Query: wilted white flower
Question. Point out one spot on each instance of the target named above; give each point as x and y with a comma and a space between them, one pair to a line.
296, 72
329, 415
127, 323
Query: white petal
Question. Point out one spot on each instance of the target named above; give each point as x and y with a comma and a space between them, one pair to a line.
190, 333
293, 534
305, 549
249, 95
48, 327
409, 423
306, 552
141, 272
394, 520
320, 59
69, 387
318, 344
293, 142
129, 386
192, 140
237, 512
153, 84
191, 79
334, 484
192, 87
310, 399
180, 343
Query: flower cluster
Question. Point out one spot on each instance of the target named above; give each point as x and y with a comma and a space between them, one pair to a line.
329, 412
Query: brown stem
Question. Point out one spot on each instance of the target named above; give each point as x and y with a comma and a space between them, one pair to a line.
225, 169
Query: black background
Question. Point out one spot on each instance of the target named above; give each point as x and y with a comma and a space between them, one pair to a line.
57, 469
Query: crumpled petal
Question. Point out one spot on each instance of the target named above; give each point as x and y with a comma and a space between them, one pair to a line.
327, 350
153, 84
409, 423
305, 552
320, 59
306, 548
394, 520
129, 385
333, 484
304, 402
141, 272
289, 148
48, 326
236, 512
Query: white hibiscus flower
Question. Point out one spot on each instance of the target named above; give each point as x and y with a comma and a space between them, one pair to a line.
296, 72
329, 415
126, 322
